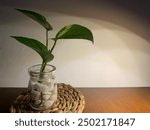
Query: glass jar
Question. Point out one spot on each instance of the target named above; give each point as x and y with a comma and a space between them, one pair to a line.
42, 88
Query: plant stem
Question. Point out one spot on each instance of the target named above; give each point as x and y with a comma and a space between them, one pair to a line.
44, 63
42, 67
47, 39
53, 46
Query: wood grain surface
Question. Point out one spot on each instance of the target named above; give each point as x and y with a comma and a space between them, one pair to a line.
120, 100
97, 100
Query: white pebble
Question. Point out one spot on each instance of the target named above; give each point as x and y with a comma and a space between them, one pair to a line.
41, 87
50, 86
54, 97
37, 102
55, 88
31, 85
46, 95
35, 95
48, 103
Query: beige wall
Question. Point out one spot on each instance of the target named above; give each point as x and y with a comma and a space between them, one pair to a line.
120, 56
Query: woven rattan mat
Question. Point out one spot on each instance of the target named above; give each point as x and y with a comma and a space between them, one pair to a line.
69, 100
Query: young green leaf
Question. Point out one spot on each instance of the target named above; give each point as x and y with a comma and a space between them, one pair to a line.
37, 17
37, 46
74, 31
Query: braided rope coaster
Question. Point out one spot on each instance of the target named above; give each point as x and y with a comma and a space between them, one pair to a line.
70, 100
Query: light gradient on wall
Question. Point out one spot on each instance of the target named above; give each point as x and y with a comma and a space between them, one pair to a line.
120, 56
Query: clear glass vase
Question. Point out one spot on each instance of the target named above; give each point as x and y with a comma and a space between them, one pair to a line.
42, 88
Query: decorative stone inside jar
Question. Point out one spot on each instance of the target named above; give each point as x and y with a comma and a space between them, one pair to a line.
42, 87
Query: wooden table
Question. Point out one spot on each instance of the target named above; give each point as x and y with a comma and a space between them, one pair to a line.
116, 100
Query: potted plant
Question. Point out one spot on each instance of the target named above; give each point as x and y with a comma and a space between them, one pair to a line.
42, 87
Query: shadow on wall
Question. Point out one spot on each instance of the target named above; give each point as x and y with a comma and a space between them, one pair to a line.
133, 15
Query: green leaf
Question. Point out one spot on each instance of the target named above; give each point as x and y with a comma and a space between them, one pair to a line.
47, 56
37, 46
37, 17
74, 31
32, 43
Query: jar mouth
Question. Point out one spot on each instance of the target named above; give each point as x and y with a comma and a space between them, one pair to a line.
35, 69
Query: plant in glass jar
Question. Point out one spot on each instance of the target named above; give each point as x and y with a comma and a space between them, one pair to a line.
42, 87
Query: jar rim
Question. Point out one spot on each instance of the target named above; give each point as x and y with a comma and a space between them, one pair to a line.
36, 69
